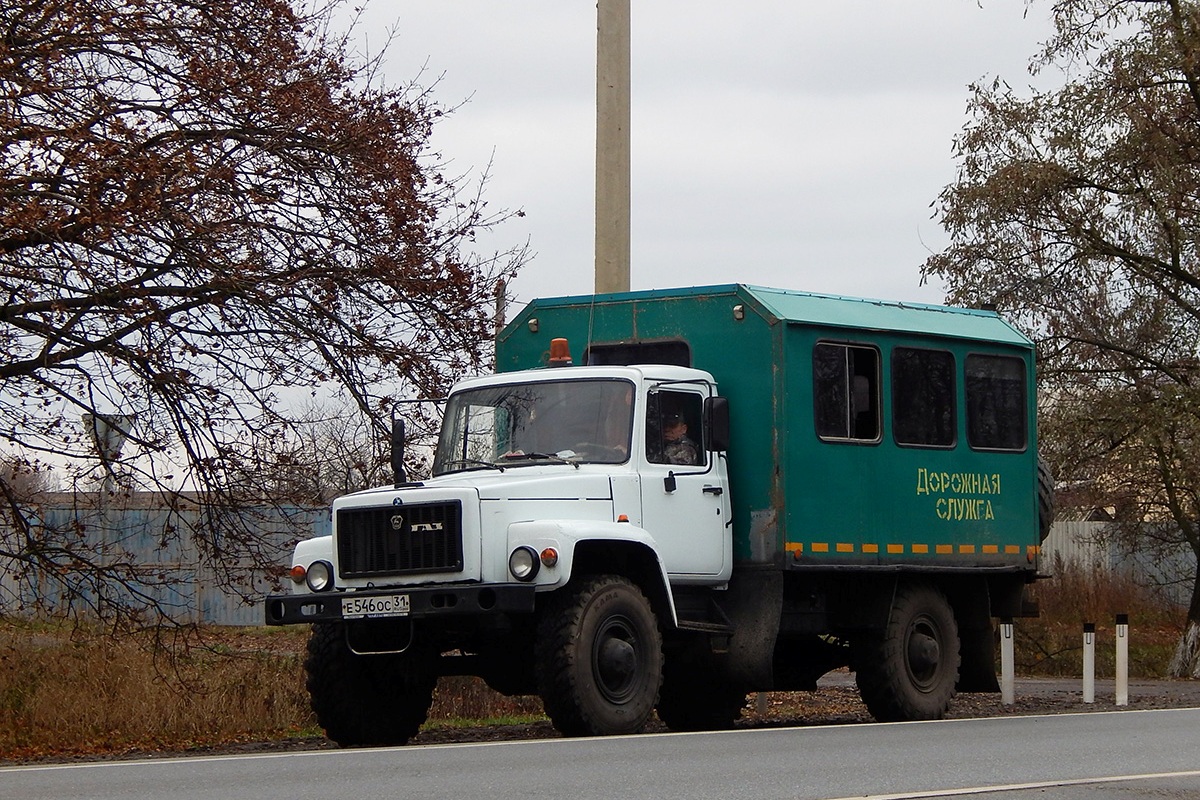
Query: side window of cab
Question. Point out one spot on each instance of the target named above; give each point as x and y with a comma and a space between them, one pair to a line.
673, 430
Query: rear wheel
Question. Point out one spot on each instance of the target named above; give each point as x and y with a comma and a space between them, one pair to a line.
599, 658
367, 700
908, 670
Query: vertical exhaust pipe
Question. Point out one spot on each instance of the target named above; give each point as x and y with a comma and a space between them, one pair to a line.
397, 449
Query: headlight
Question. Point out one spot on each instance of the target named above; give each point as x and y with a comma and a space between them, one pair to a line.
524, 563
320, 576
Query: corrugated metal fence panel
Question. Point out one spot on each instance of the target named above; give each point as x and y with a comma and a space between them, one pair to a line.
161, 545
1169, 572
1079, 542
242, 604
163, 561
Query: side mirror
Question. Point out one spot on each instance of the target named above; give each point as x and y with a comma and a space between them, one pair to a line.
716, 423
398, 475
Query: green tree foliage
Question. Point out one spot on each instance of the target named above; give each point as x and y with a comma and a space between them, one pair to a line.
1076, 211
210, 209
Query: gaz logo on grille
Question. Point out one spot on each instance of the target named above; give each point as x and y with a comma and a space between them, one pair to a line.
398, 522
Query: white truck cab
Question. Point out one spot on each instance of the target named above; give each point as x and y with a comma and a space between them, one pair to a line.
528, 466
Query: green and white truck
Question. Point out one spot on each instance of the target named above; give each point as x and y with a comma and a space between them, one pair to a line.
860, 487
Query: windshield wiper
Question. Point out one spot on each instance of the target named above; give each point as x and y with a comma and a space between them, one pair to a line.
557, 459
475, 462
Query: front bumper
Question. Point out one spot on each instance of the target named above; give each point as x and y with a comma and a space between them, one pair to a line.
423, 602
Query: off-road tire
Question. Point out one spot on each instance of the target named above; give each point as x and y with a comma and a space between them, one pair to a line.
693, 697
366, 700
598, 658
1045, 499
908, 670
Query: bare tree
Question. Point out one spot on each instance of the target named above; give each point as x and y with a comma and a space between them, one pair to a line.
27, 480
334, 449
209, 211
1077, 211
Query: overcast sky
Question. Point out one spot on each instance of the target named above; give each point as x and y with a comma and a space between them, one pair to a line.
796, 145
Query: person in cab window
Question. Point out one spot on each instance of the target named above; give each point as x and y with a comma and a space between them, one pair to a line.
677, 447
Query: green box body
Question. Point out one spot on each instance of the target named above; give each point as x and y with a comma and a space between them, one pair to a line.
800, 501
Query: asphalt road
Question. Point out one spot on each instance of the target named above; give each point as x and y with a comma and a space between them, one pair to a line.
1129, 754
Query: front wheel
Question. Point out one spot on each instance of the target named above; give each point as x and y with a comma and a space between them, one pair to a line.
369, 700
599, 658
908, 670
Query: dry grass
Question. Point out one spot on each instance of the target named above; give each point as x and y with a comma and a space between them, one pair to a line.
70, 690
460, 699
1052, 644
67, 689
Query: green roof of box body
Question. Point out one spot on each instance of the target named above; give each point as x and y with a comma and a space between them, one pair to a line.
827, 310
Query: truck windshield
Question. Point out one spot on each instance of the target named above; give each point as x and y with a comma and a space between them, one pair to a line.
526, 423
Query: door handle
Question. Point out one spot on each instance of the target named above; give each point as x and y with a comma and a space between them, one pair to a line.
714, 490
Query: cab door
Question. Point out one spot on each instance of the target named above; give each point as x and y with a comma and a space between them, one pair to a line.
685, 494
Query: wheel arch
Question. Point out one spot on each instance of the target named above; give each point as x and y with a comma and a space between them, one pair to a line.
636, 561
590, 547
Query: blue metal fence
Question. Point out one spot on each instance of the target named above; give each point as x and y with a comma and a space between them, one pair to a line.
163, 564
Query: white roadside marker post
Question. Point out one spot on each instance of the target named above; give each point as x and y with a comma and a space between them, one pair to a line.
1007, 662
1089, 662
1122, 659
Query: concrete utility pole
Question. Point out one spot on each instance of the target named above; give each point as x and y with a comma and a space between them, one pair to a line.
612, 146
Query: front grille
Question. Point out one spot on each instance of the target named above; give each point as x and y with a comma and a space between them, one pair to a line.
397, 540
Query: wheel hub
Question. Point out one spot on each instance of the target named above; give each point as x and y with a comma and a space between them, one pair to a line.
924, 656
615, 662
923, 653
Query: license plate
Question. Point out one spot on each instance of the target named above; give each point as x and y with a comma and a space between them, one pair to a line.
393, 605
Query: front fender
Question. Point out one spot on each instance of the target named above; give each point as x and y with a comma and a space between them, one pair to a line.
319, 548
566, 535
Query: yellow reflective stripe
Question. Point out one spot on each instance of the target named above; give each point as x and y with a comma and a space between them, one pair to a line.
872, 548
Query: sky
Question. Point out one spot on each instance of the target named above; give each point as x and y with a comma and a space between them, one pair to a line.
797, 145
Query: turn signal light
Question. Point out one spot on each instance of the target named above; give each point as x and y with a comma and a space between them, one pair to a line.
297, 573
549, 556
